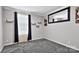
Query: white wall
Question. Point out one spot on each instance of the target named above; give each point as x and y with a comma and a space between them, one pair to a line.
8, 28
37, 33
8, 34
1, 32
66, 33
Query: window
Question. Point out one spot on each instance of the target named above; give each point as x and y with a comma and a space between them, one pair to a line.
22, 23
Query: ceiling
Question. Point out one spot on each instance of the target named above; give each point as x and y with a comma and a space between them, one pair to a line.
42, 10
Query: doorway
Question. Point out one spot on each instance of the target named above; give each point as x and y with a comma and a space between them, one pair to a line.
22, 27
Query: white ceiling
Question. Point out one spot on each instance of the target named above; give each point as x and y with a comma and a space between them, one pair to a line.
42, 10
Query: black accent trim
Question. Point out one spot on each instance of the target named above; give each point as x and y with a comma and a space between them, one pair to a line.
29, 28
68, 8
16, 27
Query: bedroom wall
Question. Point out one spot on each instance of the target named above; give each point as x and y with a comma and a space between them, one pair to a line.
1, 32
8, 28
66, 33
37, 33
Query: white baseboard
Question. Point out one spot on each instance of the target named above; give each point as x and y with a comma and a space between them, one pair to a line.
66, 45
9, 44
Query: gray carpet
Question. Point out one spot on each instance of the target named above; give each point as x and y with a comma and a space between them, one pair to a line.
38, 46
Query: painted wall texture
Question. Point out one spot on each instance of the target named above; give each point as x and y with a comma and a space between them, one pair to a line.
66, 33
1, 28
